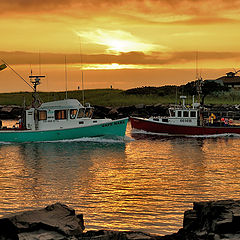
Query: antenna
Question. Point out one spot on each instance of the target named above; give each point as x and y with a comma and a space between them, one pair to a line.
31, 68
176, 95
196, 64
82, 89
83, 98
35, 80
39, 58
66, 75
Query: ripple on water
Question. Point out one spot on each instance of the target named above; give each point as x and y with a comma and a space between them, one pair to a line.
142, 184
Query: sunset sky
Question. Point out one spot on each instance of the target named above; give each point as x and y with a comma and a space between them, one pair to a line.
125, 44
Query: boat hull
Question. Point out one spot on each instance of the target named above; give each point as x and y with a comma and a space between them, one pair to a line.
157, 127
110, 129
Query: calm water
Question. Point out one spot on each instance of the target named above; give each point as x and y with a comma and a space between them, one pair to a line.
144, 184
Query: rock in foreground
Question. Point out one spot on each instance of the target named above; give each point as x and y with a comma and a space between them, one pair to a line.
213, 220
56, 221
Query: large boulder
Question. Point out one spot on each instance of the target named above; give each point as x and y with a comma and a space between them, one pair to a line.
212, 220
116, 235
56, 221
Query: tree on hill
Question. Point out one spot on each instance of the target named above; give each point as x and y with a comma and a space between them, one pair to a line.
160, 91
205, 88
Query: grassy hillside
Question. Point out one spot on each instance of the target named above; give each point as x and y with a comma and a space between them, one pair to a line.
115, 97
104, 97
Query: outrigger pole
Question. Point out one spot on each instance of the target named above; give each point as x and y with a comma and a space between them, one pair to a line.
35, 80
17, 74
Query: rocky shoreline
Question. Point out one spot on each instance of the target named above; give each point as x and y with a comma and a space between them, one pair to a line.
10, 111
212, 220
140, 110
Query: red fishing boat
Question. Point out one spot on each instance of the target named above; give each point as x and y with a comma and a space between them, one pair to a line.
185, 120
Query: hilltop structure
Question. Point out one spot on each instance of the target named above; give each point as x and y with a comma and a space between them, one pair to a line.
230, 80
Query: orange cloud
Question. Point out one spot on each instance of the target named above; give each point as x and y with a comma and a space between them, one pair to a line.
192, 7
161, 58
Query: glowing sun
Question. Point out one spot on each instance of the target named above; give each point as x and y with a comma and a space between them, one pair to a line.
117, 41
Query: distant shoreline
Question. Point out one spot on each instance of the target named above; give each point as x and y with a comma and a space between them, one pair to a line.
122, 98
138, 110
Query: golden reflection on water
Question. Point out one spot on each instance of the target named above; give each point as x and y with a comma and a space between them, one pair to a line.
185, 170
145, 184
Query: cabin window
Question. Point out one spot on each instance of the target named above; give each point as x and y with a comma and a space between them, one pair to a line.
89, 112
193, 114
185, 113
60, 114
81, 113
179, 114
73, 113
172, 113
42, 115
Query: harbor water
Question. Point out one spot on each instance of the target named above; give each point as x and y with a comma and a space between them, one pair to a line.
144, 183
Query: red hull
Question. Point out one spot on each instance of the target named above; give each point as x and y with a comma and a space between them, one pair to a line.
156, 127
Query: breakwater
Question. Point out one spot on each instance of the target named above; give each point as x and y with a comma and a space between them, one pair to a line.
140, 110
10, 111
207, 220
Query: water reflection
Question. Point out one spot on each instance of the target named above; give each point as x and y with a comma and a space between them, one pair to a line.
185, 170
145, 184
42, 173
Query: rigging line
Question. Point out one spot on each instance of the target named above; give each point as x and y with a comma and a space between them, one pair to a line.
17, 74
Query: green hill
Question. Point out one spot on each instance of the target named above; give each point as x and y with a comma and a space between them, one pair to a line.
116, 97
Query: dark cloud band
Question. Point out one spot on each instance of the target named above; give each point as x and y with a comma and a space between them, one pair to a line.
161, 58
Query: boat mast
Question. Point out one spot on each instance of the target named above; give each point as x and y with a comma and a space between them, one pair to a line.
35, 80
82, 90
66, 75
83, 98
197, 65
199, 80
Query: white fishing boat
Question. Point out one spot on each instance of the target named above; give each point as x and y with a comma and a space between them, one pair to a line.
60, 120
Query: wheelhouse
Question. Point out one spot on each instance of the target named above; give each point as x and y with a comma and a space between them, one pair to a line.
57, 114
183, 113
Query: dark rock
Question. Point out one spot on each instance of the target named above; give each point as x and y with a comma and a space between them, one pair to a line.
43, 235
113, 113
140, 106
56, 221
10, 112
189, 221
8, 230
114, 235
139, 110
126, 111
212, 220
100, 111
